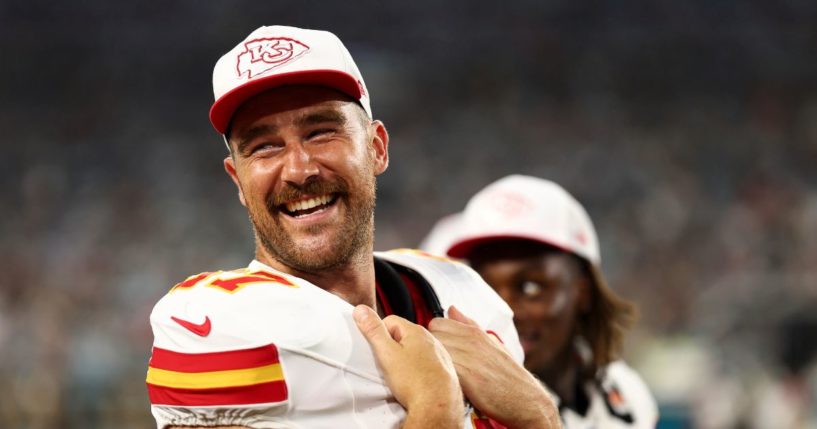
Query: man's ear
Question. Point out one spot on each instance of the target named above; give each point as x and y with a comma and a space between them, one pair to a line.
229, 166
380, 146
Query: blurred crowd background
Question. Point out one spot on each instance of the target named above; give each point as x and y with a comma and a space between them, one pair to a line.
688, 130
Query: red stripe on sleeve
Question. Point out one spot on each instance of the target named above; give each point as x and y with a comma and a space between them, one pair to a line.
275, 391
217, 361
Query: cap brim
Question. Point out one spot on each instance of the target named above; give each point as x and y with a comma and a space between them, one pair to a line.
463, 248
223, 109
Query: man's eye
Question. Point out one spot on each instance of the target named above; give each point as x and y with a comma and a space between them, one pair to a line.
262, 147
321, 132
531, 288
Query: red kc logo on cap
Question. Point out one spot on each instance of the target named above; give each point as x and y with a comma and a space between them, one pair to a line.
262, 55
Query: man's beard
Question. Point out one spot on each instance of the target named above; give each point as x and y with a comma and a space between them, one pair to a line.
354, 232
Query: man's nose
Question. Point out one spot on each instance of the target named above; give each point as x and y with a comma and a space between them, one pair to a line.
299, 166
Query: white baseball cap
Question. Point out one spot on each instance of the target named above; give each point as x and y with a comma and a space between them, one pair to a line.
276, 56
530, 208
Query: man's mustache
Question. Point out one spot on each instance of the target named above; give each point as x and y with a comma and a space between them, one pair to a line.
312, 188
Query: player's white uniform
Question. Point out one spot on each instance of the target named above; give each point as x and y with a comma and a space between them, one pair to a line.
621, 400
259, 348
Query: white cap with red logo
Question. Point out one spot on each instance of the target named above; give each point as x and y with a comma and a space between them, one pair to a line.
529, 208
276, 56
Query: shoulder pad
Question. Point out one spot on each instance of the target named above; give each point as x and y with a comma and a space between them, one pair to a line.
439, 271
233, 281
455, 283
239, 309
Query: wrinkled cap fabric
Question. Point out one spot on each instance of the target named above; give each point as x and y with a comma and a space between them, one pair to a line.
276, 56
529, 208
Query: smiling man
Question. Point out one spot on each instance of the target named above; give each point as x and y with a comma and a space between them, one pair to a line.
296, 338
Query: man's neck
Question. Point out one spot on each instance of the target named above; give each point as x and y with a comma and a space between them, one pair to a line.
353, 281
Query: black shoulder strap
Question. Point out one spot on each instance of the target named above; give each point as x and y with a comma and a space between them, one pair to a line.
393, 271
395, 290
425, 288
388, 275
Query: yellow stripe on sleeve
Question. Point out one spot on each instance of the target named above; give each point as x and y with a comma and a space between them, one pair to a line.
215, 379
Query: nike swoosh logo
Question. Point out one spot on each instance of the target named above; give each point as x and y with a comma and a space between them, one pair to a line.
200, 329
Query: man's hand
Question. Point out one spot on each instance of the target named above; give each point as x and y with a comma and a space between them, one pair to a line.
417, 369
494, 383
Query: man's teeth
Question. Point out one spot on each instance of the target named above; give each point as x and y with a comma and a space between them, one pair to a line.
308, 204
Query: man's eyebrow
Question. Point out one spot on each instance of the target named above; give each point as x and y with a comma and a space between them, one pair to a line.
321, 116
249, 135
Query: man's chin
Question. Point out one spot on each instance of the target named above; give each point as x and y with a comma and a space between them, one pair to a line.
311, 253
315, 242
312, 262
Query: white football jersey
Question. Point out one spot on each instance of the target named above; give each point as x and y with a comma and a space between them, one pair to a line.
621, 400
259, 348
